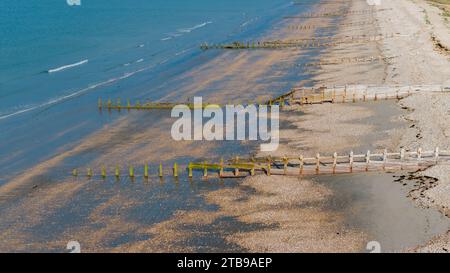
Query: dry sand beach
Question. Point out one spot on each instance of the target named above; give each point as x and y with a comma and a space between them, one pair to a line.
260, 213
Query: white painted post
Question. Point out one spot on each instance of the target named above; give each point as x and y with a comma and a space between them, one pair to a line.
384, 159
334, 162
317, 163
351, 161
436, 154
402, 157
419, 154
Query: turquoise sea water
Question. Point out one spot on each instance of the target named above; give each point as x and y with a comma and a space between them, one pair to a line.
57, 59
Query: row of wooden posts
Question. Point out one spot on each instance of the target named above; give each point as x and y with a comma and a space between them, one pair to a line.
335, 164
321, 2
110, 105
317, 43
338, 13
307, 27
345, 61
334, 97
131, 171
354, 93
298, 96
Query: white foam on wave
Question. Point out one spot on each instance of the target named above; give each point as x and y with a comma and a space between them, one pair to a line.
75, 94
90, 87
183, 31
183, 51
249, 22
188, 30
64, 67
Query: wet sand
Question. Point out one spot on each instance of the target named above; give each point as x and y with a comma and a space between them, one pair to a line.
43, 208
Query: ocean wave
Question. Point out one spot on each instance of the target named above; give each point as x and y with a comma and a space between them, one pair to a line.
249, 22
64, 67
80, 92
183, 31
188, 30
75, 94
183, 51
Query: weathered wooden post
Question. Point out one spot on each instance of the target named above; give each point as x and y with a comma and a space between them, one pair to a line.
354, 97
384, 158
109, 104
436, 154
285, 164
252, 170
236, 170
161, 170
302, 163
146, 170
317, 163
269, 165
175, 170
131, 172
221, 168
128, 104
335, 155
205, 169
190, 170
103, 172
117, 172
351, 161
402, 158
75, 172
89, 172
419, 153
367, 161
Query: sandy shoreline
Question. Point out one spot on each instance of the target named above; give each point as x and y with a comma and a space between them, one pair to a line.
275, 214
329, 128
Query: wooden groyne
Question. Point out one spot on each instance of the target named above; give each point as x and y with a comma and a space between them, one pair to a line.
309, 27
117, 105
297, 96
355, 60
298, 43
337, 14
355, 93
286, 165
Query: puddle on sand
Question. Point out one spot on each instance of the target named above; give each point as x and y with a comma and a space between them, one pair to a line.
377, 205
